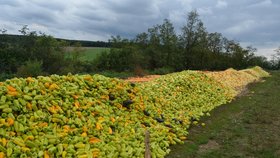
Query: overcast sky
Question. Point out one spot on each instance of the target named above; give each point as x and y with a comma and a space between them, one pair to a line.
251, 22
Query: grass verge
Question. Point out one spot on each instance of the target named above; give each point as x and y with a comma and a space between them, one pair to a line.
247, 127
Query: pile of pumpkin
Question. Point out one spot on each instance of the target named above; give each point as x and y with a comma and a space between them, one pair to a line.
88, 116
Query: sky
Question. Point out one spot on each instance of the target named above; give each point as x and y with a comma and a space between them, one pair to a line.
251, 22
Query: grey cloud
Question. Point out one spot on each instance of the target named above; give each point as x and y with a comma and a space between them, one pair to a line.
13, 3
53, 5
261, 4
250, 22
139, 8
92, 15
38, 17
240, 20
221, 4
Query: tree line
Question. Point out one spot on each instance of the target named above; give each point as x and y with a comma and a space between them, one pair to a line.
160, 48
33, 54
83, 43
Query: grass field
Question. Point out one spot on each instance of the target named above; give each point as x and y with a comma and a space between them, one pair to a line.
247, 127
90, 53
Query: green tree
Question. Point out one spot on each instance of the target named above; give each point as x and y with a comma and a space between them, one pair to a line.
30, 69
215, 42
3, 31
142, 39
169, 41
275, 62
51, 52
73, 62
24, 30
154, 47
31, 47
124, 56
215, 51
193, 40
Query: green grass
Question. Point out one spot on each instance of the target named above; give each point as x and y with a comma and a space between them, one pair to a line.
247, 127
92, 52
89, 53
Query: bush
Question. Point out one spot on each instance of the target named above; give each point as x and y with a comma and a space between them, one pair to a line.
4, 76
30, 68
138, 71
163, 71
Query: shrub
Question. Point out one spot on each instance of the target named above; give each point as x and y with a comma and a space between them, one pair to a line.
138, 71
4, 76
30, 68
163, 70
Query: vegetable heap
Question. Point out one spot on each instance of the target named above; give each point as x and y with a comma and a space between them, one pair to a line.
69, 116
237, 80
88, 116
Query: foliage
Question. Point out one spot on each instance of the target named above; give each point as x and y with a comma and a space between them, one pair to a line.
19, 38
30, 69
162, 71
50, 52
92, 53
275, 62
73, 62
4, 76
54, 54
194, 48
31, 47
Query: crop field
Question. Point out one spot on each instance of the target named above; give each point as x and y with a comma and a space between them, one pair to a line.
95, 116
90, 53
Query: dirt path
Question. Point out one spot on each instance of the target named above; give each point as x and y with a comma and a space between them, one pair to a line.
247, 127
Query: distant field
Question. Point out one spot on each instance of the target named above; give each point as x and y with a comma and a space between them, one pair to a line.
90, 53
